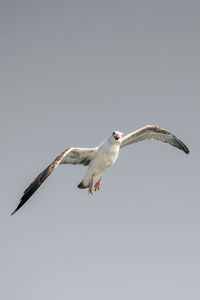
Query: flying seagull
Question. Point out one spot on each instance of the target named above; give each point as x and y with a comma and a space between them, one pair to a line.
100, 158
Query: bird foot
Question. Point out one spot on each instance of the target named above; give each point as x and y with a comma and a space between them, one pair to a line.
97, 185
90, 190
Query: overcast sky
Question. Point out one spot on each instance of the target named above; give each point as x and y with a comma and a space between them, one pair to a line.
71, 73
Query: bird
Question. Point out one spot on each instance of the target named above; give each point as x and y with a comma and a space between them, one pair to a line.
99, 159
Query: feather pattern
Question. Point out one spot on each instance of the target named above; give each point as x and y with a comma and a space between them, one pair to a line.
153, 132
69, 156
79, 156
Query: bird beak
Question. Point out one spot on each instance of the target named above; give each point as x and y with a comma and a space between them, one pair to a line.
117, 137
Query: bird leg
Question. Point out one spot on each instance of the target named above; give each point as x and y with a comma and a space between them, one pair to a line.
91, 188
97, 184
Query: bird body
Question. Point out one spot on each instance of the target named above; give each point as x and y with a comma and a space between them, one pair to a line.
106, 155
99, 159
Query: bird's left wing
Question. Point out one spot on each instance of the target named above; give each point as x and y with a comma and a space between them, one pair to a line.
156, 133
72, 156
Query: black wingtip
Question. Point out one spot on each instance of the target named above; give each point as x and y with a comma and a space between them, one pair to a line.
185, 149
182, 146
16, 209
23, 200
13, 212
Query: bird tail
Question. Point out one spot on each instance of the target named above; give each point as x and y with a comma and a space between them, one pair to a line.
82, 185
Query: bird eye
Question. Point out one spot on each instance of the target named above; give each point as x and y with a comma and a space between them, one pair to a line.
113, 133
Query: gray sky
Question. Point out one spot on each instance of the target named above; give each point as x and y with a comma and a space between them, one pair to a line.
71, 73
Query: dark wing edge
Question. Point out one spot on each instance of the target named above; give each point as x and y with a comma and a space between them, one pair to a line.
179, 144
154, 132
40, 179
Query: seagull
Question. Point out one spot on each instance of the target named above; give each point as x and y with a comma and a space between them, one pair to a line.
101, 158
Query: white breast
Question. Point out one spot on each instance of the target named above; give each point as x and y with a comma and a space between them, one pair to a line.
105, 158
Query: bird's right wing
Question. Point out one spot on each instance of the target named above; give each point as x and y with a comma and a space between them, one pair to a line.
72, 156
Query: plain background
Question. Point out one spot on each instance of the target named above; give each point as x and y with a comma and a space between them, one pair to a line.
71, 73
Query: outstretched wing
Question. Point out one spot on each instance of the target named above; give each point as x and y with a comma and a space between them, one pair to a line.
69, 156
153, 132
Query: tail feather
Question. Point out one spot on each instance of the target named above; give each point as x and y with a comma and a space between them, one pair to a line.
81, 185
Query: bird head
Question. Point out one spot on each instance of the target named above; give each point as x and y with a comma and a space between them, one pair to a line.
116, 136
